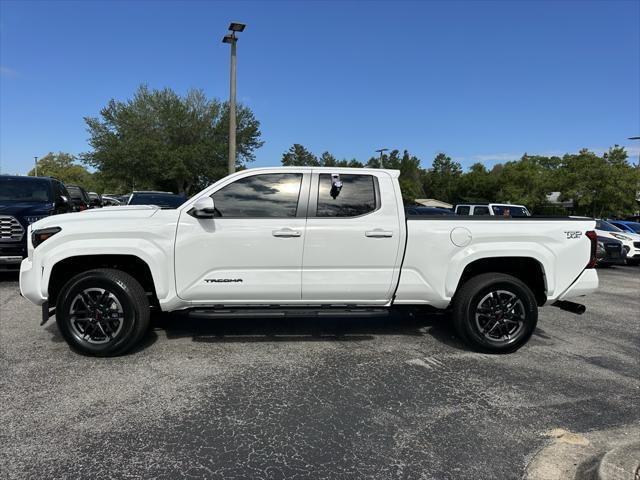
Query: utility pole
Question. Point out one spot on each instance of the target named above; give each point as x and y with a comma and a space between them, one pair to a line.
232, 40
636, 138
381, 151
36, 161
638, 168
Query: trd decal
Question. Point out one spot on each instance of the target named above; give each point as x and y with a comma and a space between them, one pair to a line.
573, 235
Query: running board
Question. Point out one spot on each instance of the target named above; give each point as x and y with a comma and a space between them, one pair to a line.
249, 312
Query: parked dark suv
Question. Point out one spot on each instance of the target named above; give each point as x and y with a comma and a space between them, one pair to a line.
24, 200
79, 197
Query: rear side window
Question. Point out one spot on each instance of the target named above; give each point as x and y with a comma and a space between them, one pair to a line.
510, 211
260, 196
481, 210
356, 196
464, 210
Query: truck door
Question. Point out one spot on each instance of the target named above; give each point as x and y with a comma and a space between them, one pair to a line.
251, 251
352, 248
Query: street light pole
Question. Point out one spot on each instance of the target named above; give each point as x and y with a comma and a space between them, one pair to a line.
636, 138
381, 151
36, 161
232, 39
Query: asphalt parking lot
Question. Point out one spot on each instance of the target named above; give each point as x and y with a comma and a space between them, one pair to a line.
381, 398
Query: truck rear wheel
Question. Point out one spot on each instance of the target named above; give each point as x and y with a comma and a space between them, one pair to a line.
102, 312
495, 313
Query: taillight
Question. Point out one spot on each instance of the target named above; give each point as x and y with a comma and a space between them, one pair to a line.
593, 236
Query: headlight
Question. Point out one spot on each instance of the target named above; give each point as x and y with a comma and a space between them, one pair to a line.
39, 236
34, 219
621, 237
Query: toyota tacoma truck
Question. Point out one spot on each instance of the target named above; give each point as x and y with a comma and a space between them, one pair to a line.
323, 241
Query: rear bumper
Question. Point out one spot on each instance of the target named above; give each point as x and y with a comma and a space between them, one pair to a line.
31, 282
585, 284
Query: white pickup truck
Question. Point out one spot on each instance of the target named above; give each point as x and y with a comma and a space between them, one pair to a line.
323, 240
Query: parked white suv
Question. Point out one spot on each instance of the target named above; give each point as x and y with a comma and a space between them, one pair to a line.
630, 241
323, 240
499, 209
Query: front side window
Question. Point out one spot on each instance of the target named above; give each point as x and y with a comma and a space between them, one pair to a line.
346, 195
260, 196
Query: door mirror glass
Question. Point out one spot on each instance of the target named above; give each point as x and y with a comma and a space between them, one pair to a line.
203, 208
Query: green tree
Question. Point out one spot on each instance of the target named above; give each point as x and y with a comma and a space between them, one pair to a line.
600, 185
443, 180
525, 182
478, 185
410, 172
159, 139
63, 166
298, 156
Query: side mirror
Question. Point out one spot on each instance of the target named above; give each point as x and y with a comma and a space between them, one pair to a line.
203, 208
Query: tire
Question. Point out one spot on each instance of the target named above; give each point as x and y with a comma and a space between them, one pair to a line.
633, 262
484, 318
102, 312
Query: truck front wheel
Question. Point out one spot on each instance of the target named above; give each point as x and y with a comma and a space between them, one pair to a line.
495, 313
102, 312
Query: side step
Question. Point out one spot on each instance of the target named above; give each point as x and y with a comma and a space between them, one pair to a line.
274, 312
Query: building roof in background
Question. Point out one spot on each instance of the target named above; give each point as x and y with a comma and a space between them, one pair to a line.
432, 202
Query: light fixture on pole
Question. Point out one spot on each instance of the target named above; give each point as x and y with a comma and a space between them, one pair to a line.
381, 151
231, 39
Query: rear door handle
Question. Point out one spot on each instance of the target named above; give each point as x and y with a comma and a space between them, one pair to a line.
286, 233
378, 233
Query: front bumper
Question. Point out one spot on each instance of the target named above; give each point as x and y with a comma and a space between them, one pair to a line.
585, 284
31, 282
11, 254
10, 262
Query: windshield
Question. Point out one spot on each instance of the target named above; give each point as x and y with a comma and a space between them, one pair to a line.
510, 211
161, 200
606, 226
25, 190
634, 227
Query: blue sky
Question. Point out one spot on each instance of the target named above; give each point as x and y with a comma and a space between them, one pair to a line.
481, 81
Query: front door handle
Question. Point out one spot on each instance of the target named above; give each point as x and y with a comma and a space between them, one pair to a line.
379, 233
286, 233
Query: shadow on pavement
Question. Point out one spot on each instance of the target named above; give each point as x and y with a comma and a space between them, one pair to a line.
293, 329
308, 329
9, 276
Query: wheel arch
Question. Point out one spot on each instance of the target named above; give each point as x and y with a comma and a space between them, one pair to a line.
66, 268
527, 269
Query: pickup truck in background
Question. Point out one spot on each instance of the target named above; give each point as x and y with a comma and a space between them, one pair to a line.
25, 200
493, 209
321, 240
